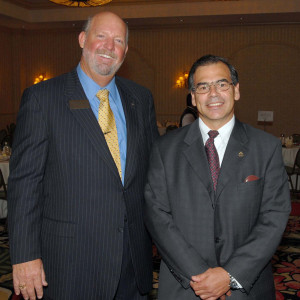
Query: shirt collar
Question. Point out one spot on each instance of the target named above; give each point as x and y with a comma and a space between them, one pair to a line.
91, 88
224, 131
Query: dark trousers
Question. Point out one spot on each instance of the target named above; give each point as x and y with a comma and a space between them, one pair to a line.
127, 288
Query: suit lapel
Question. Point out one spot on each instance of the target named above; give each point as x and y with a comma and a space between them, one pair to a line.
130, 110
196, 156
235, 153
86, 118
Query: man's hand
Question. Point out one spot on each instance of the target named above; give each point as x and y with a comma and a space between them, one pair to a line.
212, 284
29, 279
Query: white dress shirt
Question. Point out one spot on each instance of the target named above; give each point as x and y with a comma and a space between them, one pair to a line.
221, 140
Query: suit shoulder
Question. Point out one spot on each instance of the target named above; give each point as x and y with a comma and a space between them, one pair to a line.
172, 138
260, 136
50, 84
131, 85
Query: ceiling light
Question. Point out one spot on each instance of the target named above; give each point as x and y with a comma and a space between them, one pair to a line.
81, 3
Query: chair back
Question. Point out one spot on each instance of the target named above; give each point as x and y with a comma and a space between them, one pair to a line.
3, 186
3, 134
296, 138
297, 160
11, 129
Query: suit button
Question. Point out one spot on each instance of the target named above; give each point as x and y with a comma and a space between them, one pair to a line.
217, 240
121, 229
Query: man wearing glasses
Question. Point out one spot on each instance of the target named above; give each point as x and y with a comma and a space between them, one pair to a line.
217, 197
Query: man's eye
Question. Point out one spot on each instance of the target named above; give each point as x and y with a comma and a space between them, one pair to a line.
202, 88
120, 41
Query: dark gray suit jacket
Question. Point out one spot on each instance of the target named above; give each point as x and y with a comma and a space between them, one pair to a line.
237, 228
67, 204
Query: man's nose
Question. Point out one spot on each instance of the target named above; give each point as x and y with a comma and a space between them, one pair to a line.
109, 44
213, 89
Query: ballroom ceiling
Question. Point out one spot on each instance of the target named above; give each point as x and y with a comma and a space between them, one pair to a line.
31, 14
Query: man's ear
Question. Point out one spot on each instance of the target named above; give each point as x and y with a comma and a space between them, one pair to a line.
237, 94
81, 39
193, 99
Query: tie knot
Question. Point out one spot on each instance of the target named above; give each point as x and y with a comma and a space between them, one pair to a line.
102, 95
213, 133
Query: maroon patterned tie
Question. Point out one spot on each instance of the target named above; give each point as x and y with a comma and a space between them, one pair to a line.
212, 156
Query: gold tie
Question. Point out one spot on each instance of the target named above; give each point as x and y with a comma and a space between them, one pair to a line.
107, 123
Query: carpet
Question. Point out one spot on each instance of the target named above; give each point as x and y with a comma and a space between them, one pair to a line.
285, 262
6, 285
295, 208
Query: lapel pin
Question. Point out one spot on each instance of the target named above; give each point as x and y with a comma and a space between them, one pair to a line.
241, 154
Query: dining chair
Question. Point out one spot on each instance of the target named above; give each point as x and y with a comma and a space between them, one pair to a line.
3, 196
3, 134
296, 138
295, 170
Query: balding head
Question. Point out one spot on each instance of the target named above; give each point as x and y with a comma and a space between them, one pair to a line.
87, 24
104, 44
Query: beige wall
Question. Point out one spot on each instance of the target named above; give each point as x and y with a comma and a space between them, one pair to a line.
266, 57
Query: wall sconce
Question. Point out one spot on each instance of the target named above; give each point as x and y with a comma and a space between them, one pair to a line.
182, 81
40, 78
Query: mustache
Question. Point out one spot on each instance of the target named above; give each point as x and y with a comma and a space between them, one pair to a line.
108, 53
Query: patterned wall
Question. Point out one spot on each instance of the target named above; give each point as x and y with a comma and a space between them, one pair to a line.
266, 56
6, 78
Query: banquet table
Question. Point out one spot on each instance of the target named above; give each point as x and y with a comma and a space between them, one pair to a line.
289, 155
4, 166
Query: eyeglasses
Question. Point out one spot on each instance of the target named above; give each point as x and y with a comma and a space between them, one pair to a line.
204, 88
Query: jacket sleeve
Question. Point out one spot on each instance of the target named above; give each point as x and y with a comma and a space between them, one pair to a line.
25, 188
181, 258
247, 261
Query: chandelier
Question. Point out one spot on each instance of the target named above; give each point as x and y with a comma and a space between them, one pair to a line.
81, 3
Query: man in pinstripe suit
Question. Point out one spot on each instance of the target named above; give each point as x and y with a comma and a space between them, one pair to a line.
76, 228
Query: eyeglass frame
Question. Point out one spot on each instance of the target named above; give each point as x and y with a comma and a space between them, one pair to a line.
214, 83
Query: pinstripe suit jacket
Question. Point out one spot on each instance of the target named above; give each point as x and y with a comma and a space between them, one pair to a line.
66, 201
237, 228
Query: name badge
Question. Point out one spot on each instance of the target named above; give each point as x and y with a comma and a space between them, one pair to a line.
79, 104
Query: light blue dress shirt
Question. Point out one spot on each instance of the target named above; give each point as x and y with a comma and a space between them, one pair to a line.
91, 88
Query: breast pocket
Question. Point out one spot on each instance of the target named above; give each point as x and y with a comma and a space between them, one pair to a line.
250, 184
250, 190
250, 197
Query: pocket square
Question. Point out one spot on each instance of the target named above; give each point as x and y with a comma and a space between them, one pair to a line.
251, 178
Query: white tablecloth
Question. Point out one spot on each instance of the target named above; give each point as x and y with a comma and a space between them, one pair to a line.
289, 155
4, 166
